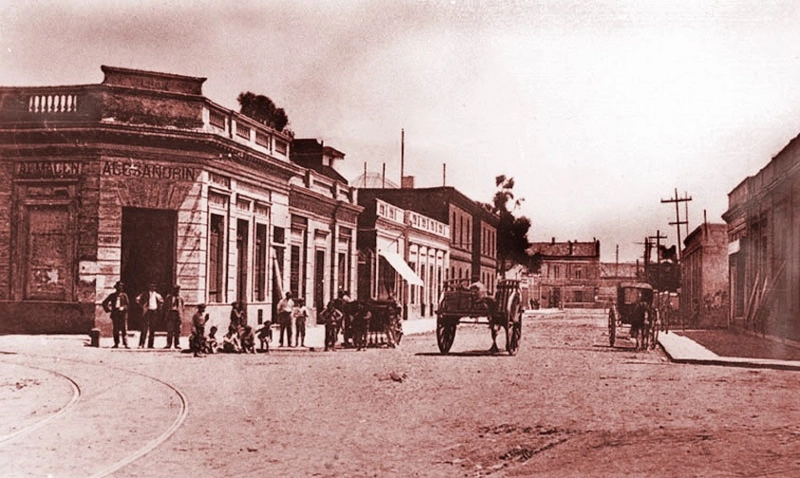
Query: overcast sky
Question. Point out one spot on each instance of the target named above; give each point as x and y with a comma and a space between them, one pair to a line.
598, 109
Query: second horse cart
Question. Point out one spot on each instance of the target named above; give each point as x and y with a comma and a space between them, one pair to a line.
460, 301
634, 309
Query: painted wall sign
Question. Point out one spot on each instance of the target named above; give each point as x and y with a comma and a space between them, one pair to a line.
145, 170
48, 169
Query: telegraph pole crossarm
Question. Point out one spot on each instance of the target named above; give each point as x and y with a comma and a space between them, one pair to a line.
677, 223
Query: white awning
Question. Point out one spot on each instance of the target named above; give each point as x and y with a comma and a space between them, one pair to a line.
401, 267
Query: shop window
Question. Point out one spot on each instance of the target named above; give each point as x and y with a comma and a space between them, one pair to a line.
386, 279
216, 259
294, 270
278, 235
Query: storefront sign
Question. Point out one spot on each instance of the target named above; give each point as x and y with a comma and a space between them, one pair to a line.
48, 169
145, 170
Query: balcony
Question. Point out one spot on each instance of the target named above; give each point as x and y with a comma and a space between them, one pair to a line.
53, 103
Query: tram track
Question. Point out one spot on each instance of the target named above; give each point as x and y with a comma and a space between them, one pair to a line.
79, 396
76, 395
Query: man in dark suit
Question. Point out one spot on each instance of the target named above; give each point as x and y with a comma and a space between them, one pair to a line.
117, 305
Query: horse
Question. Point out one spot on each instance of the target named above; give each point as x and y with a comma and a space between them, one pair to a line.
641, 320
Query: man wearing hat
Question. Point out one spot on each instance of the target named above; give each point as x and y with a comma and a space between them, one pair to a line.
150, 301
173, 316
117, 305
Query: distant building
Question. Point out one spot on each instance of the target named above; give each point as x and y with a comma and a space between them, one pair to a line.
704, 274
763, 219
472, 229
570, 273
402, 254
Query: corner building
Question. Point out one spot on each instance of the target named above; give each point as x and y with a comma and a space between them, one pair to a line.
142, 179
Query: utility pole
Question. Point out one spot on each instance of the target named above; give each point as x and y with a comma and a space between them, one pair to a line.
658, 238
403, 156
677, 200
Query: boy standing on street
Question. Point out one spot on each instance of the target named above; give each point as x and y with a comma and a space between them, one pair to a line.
300, 315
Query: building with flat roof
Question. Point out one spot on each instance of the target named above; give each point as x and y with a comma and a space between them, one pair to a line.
143, 179
763, 220
402, 254
472, 229
704, 276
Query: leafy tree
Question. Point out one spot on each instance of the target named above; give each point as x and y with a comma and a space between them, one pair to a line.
263, 110
512, 231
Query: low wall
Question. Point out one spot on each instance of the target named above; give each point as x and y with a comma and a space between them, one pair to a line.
36, 317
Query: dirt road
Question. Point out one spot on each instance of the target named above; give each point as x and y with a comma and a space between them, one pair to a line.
566, 405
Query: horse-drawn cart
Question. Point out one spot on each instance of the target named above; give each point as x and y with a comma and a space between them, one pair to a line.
459, 301
633, 309
385, 325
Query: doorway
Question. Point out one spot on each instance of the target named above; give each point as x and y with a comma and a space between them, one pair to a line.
319, 280
148, 255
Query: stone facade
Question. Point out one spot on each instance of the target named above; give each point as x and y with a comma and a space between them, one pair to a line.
141, 178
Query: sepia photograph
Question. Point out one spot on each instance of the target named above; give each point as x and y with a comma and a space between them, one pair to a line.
416, 238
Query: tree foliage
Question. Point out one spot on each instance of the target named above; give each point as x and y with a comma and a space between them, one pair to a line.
263, 110
512, 231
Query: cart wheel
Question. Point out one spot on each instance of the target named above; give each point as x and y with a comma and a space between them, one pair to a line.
513, 325
612, 326
445, 334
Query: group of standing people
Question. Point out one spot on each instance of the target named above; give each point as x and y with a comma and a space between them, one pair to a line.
241, 337
118, 305
290, 311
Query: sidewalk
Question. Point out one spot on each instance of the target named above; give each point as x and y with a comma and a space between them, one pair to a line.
682, 349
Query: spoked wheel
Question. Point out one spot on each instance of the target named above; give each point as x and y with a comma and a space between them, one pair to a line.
612, 326
445, 333
513, 325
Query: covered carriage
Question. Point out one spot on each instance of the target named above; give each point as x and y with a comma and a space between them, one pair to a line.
633, 309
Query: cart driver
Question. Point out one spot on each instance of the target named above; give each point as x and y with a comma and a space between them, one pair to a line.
481, 295
479, 289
